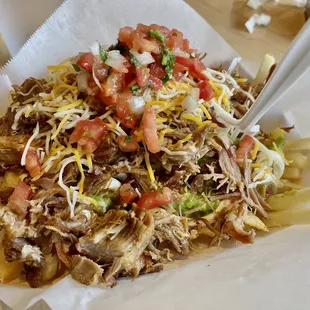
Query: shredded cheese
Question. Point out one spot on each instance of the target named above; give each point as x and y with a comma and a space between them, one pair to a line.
163, 132
255, 151
34, 135
148, 166
79, 164
180, 142
63, 121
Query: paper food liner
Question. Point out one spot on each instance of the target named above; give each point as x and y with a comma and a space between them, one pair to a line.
273, 273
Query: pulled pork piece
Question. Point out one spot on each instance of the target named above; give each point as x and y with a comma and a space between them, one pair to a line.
172, 228
19, 249
6, 123
33, 276
5, 193
86, 271
144, 265
143, 180
177, 180
11, 149
108, 151
97, 182
119, 240
29, 89
235, 223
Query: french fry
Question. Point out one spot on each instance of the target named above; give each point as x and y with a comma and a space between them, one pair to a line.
292, 173
8, 271
298, 160
288, 218
293, 198
299, 145
289, 185
50, 268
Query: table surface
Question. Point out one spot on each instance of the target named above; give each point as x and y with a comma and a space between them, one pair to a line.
227, 17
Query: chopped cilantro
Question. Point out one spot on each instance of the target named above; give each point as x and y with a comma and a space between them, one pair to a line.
165, 79
167, 59
134, 61
128, 139
76, 67
103, 53
123, 49
157, 35
134, 88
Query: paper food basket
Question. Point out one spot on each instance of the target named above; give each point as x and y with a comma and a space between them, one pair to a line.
274, 273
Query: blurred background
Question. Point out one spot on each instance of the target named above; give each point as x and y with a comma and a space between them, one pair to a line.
20, 18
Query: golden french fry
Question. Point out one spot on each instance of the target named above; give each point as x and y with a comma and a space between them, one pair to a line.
299, 145
50, 267
9, 271
291, 173
289, 185
264, 69
298, 160
288, 218
253, 221
290, 199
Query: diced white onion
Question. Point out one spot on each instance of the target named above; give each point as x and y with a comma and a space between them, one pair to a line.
121, 176
145, 58
195, 92
114, 184
190, 104
178, 52
116, 60
82, 80
94, 48
136, 104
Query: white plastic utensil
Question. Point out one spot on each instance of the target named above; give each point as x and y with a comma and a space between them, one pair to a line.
293, 66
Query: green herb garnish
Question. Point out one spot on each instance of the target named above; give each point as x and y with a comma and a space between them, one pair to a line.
157, 35
76, 67
134, 88
102, 53
128, 139
134, 61
167, 59
165, 79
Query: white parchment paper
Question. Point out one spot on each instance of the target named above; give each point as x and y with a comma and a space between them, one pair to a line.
273, 274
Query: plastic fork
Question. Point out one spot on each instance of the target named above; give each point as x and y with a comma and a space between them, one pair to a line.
293, 66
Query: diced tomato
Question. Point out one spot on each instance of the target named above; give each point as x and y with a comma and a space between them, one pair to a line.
127, 193
86, 61
101, 71
155, 82
18, 202
113, 84
143, 74
33, 165
124, 114
155, 199
206, 91
143, 28
128, 143
178, 71
157, 70
164, 30
108, 100
194, 65
145, 45
125, 35
149, 127
88, 134
246, 145
176, 40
